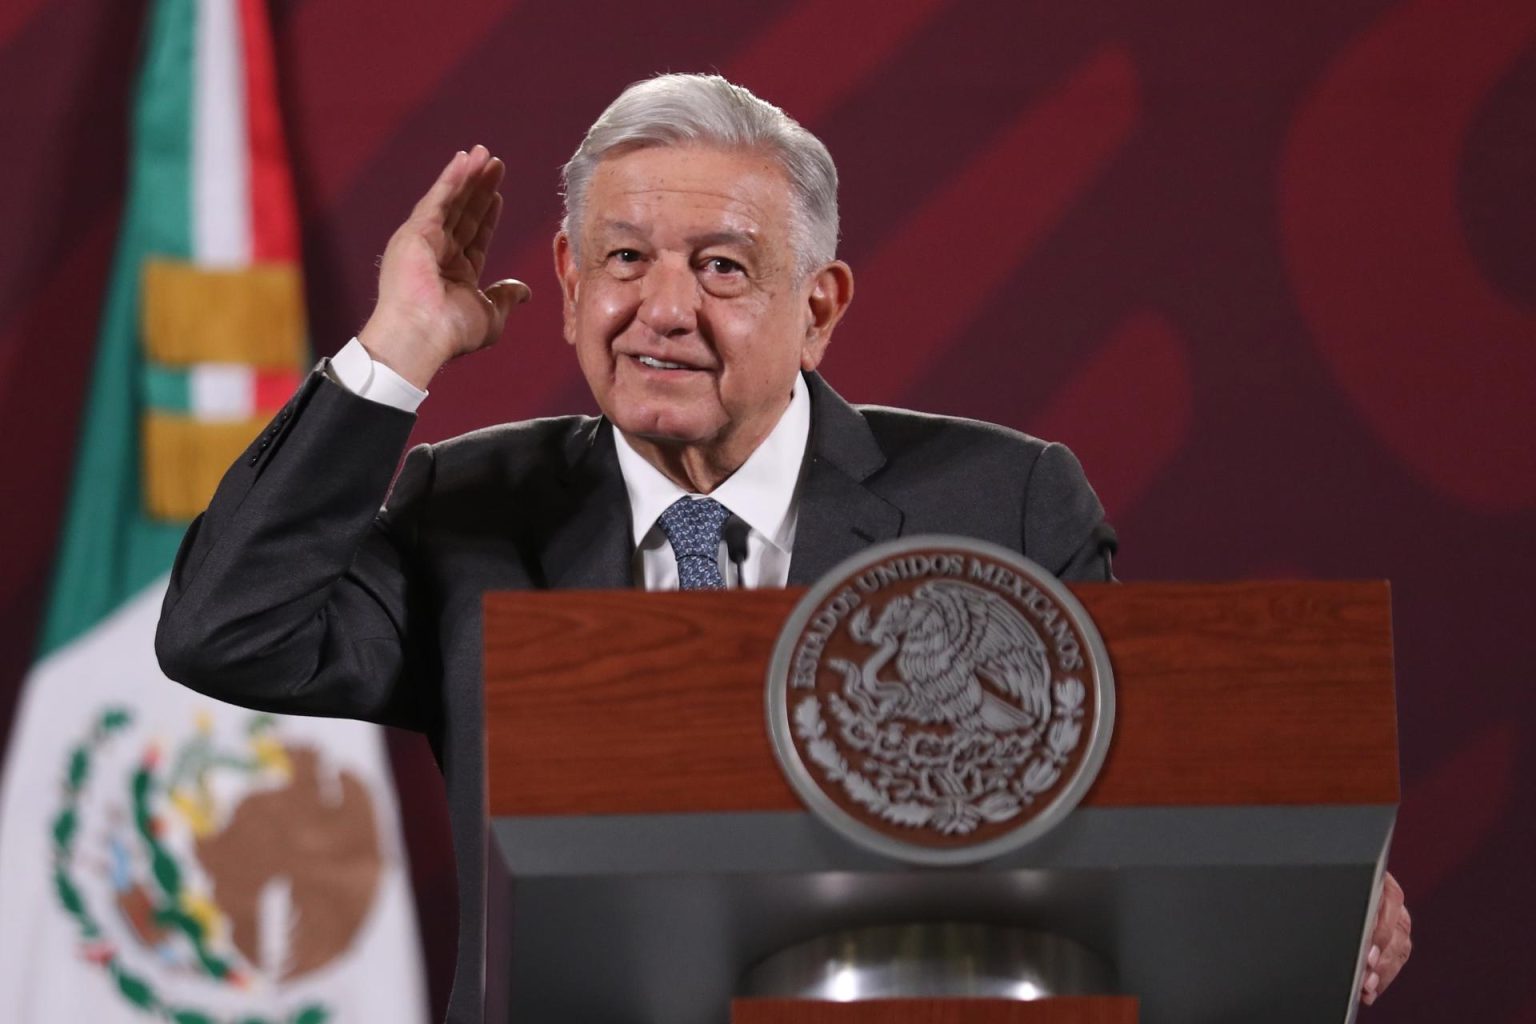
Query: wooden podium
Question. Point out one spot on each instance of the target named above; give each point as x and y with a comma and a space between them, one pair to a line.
1225, 863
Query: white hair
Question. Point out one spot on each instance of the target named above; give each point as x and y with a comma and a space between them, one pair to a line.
673, 110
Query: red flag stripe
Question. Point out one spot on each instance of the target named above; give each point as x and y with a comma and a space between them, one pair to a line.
271, 389
274, 213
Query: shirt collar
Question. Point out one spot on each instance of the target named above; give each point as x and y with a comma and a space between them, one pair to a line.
760, 492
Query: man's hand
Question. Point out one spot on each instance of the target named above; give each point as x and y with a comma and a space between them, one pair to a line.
430, 307
1390, 941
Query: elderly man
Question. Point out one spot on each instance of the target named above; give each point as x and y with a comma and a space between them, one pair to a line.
698, 273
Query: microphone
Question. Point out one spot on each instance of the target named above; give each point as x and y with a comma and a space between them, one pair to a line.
1108, 544
734, 533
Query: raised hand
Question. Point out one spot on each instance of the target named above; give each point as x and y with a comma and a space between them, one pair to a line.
431, 307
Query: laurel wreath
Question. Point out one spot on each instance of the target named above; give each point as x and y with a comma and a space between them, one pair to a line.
166, 871
957, 813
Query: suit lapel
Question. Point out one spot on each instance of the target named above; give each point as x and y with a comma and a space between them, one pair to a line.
839, 516
589, 546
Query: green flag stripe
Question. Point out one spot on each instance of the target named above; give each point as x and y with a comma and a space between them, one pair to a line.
160, 182
108, 550
166, 389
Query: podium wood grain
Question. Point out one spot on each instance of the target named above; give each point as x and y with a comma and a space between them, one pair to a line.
615, 702
1064, 1010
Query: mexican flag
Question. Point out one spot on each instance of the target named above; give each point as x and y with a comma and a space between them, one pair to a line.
165, 857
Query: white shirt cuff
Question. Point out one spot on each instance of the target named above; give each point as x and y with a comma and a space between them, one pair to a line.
366, 378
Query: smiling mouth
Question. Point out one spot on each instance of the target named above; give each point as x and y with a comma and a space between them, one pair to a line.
660, 364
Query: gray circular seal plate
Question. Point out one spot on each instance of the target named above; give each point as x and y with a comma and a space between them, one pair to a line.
825, 808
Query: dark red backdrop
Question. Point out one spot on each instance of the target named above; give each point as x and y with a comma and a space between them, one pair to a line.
1268, 268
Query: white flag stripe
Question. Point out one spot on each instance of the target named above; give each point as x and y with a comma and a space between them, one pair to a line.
221, 200
221, 392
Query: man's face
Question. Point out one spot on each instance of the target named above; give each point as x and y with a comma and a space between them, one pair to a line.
685, 307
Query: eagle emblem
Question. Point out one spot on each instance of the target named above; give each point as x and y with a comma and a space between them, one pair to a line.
964, 657
938, 695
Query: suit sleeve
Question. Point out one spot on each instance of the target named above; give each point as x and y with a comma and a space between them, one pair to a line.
1064, 527
291, 592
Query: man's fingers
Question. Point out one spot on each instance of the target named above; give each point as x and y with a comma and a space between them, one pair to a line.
472, 200
1398, 948
431, 207
507, 293
1391, 941
476, 249
504, 295
1384, 965
1387, 913
437, 211
478, 201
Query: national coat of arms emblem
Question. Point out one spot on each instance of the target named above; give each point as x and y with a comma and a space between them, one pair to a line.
940, 700
205, 876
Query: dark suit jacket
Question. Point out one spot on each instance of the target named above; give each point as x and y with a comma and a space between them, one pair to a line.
294, 593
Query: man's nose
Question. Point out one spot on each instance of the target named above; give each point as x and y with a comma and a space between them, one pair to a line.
669, 298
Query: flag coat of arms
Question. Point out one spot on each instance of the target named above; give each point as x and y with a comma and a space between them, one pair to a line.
165, 857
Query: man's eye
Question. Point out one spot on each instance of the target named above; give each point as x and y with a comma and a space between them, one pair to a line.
625, 255
722, 265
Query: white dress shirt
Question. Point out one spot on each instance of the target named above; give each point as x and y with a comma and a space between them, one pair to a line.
763, 493
359, 374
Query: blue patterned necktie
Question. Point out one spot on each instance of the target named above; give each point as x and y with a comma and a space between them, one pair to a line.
692, 526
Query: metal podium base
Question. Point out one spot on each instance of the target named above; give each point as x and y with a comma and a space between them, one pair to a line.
931, 961
655, 919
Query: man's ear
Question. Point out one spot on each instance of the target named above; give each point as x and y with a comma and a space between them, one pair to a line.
831, 289
568, 273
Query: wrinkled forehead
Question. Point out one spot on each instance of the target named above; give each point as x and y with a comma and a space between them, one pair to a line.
690, 189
